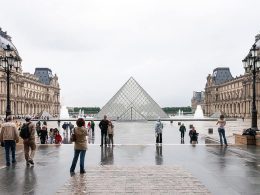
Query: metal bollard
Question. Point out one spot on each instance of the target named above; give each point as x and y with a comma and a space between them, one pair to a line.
210, 130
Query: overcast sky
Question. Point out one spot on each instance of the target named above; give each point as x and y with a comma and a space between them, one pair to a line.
95, 46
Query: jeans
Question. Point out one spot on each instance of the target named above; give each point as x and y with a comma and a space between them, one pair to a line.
51, 139
75, 160
221, 133
9, 144
111, 141
182, 134
159, 138
103, 136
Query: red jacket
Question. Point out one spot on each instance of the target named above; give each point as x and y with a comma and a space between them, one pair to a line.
58, 138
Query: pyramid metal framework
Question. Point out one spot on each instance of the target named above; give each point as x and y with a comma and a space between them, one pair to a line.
132, 102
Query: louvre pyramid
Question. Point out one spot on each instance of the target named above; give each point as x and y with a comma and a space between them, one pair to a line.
132, 102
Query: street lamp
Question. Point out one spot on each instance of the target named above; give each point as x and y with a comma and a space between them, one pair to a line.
252, 65
8, 61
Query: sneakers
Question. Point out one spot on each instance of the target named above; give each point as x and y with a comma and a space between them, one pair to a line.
31, 162
72, 173
82, 172
27, 163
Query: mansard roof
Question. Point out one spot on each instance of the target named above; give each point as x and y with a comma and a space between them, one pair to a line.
221, 75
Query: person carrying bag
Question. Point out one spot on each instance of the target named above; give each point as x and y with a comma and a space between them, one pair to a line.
80, 146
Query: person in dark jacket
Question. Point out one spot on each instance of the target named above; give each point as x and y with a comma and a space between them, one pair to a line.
182, 130
193, 135
93, 126
44, 134
103, 125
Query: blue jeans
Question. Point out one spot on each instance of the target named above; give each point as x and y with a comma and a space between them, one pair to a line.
75, 160
9, 144
103, 137
221, 133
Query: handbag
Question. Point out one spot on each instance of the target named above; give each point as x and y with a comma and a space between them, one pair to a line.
2, 144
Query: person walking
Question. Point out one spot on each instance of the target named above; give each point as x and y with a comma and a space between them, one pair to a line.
92, 126
65, 127
89, 126
9, 136
51, 135
80, 146
28, 134
44, 134
221, 129
158, 131
110, 131
71, 126
38, 128
193, 135
103, 125
182, 130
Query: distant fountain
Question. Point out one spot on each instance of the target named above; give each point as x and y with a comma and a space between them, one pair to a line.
179, 112
198, 113
64, 113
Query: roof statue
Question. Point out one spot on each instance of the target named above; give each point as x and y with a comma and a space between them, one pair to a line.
132, 102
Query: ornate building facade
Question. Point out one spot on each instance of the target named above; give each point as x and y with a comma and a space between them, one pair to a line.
30, 93
231, 96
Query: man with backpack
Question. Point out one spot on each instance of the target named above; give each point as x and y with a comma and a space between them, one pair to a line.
28, 134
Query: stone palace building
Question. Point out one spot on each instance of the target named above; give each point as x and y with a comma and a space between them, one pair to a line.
231, 96
30, 93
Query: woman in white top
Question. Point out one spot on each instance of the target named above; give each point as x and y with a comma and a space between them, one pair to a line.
221, 129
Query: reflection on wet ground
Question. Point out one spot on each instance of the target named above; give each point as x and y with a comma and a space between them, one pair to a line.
107, 156
223, 170
158, 155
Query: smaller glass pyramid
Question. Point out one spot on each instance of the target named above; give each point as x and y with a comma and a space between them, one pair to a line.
132, 102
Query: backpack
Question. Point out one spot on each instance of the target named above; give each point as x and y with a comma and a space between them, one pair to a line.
25, 133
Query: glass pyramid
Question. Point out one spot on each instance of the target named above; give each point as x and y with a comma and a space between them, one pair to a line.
132, 102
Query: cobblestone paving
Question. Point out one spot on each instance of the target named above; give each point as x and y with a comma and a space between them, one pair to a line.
134, 180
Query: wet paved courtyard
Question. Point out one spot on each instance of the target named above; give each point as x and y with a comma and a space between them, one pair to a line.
195, 168
134, 180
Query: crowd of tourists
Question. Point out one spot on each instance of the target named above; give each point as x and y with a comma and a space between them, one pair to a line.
48, 136
28, 131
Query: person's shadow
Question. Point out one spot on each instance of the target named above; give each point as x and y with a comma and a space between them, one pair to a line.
158, 156
107, 156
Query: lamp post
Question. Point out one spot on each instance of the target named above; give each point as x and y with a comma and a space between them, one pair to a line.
8, 61
252, 65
